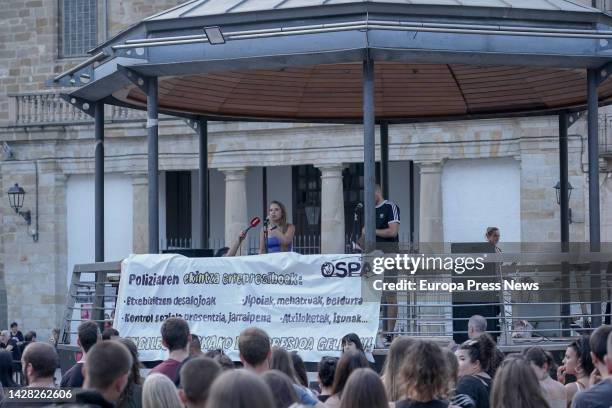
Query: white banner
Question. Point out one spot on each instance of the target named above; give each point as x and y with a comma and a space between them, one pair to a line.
305, 303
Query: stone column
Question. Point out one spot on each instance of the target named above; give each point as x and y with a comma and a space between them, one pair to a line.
430, 204
140, 214
235, 203
332, 210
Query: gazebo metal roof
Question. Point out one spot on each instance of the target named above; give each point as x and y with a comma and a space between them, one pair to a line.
198, 8
301, 60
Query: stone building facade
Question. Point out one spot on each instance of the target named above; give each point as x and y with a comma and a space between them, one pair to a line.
52, 153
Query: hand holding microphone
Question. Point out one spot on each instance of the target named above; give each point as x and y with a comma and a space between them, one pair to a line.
254, 222
236, 245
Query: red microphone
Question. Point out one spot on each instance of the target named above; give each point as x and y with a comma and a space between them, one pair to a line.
254, 222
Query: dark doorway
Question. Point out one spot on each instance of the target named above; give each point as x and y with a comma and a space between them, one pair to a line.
178, 208
307, 200
352, 182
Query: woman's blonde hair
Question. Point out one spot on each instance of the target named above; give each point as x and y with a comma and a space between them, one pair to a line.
282, 222
393, 365
159, 391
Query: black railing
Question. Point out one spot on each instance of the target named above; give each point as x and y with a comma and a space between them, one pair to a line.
605, 134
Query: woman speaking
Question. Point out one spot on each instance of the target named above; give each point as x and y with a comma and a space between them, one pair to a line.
277, 235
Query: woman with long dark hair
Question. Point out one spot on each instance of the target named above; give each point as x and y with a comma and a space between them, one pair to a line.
351, 341
542, 363
280, 232
131, 397
364, 389
300, 368
516, 386
349, 362
577, 362
281, 361
282, 388
474, 385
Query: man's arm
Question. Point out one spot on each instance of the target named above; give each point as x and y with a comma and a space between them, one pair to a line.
236, 245
390, 232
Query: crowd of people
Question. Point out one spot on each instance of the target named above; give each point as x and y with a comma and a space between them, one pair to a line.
14, 341
416, 374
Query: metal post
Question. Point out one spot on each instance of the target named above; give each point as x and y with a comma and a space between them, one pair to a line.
203, 184
411, 198
99, 181
563, 179
153, 164
369, 157
564, 203
264, 193
594, 226
384, 158
98, 304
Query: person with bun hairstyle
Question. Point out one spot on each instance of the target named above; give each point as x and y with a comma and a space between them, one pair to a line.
327, 370
577, 362
474, 385
542, 363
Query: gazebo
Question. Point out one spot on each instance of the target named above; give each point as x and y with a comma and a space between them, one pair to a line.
349, 61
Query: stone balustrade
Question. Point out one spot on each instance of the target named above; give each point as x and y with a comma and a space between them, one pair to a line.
47, 108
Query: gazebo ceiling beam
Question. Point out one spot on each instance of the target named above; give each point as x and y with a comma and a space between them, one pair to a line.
575, 113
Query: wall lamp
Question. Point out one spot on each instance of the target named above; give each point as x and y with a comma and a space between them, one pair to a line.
557, 188
16, 197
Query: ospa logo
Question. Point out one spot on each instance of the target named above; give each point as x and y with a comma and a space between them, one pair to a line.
340, 269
